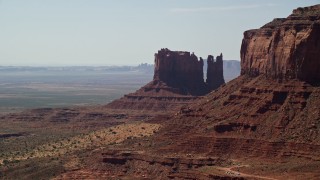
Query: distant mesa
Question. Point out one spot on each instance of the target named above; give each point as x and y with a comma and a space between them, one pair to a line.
178, 80
286, 48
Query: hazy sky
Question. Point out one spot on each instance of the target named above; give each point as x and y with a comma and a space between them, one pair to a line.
117, 32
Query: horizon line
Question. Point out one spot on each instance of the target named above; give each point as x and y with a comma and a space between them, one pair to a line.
83, 65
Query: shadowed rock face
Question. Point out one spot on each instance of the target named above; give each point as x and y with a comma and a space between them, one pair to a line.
180, 69
183, 70
215, 72
177, 81
286, 48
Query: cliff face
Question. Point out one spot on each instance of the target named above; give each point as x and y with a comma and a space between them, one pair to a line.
285, 48
180, 69
184, 70
215, 72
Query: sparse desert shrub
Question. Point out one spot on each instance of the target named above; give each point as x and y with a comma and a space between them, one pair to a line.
5, 162
16, 161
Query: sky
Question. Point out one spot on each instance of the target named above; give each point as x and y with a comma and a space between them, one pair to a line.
128, 32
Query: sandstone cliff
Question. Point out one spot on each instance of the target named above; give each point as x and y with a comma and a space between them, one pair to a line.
183, 70
285, 48
215, 72
180, 69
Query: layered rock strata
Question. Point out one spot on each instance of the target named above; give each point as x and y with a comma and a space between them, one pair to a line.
285, 48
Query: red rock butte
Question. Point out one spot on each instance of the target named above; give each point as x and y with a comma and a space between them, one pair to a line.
183, 70
286, 48
178, 80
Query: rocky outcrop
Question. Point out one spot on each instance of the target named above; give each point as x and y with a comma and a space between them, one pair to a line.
215, 72
183, 70
231, 69
179, 69
285, 48
128, 164
177, 81
131, 163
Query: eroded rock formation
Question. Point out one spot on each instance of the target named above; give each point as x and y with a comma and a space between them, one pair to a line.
183, 70
178, 80
285, 48
215, 72
180, 69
